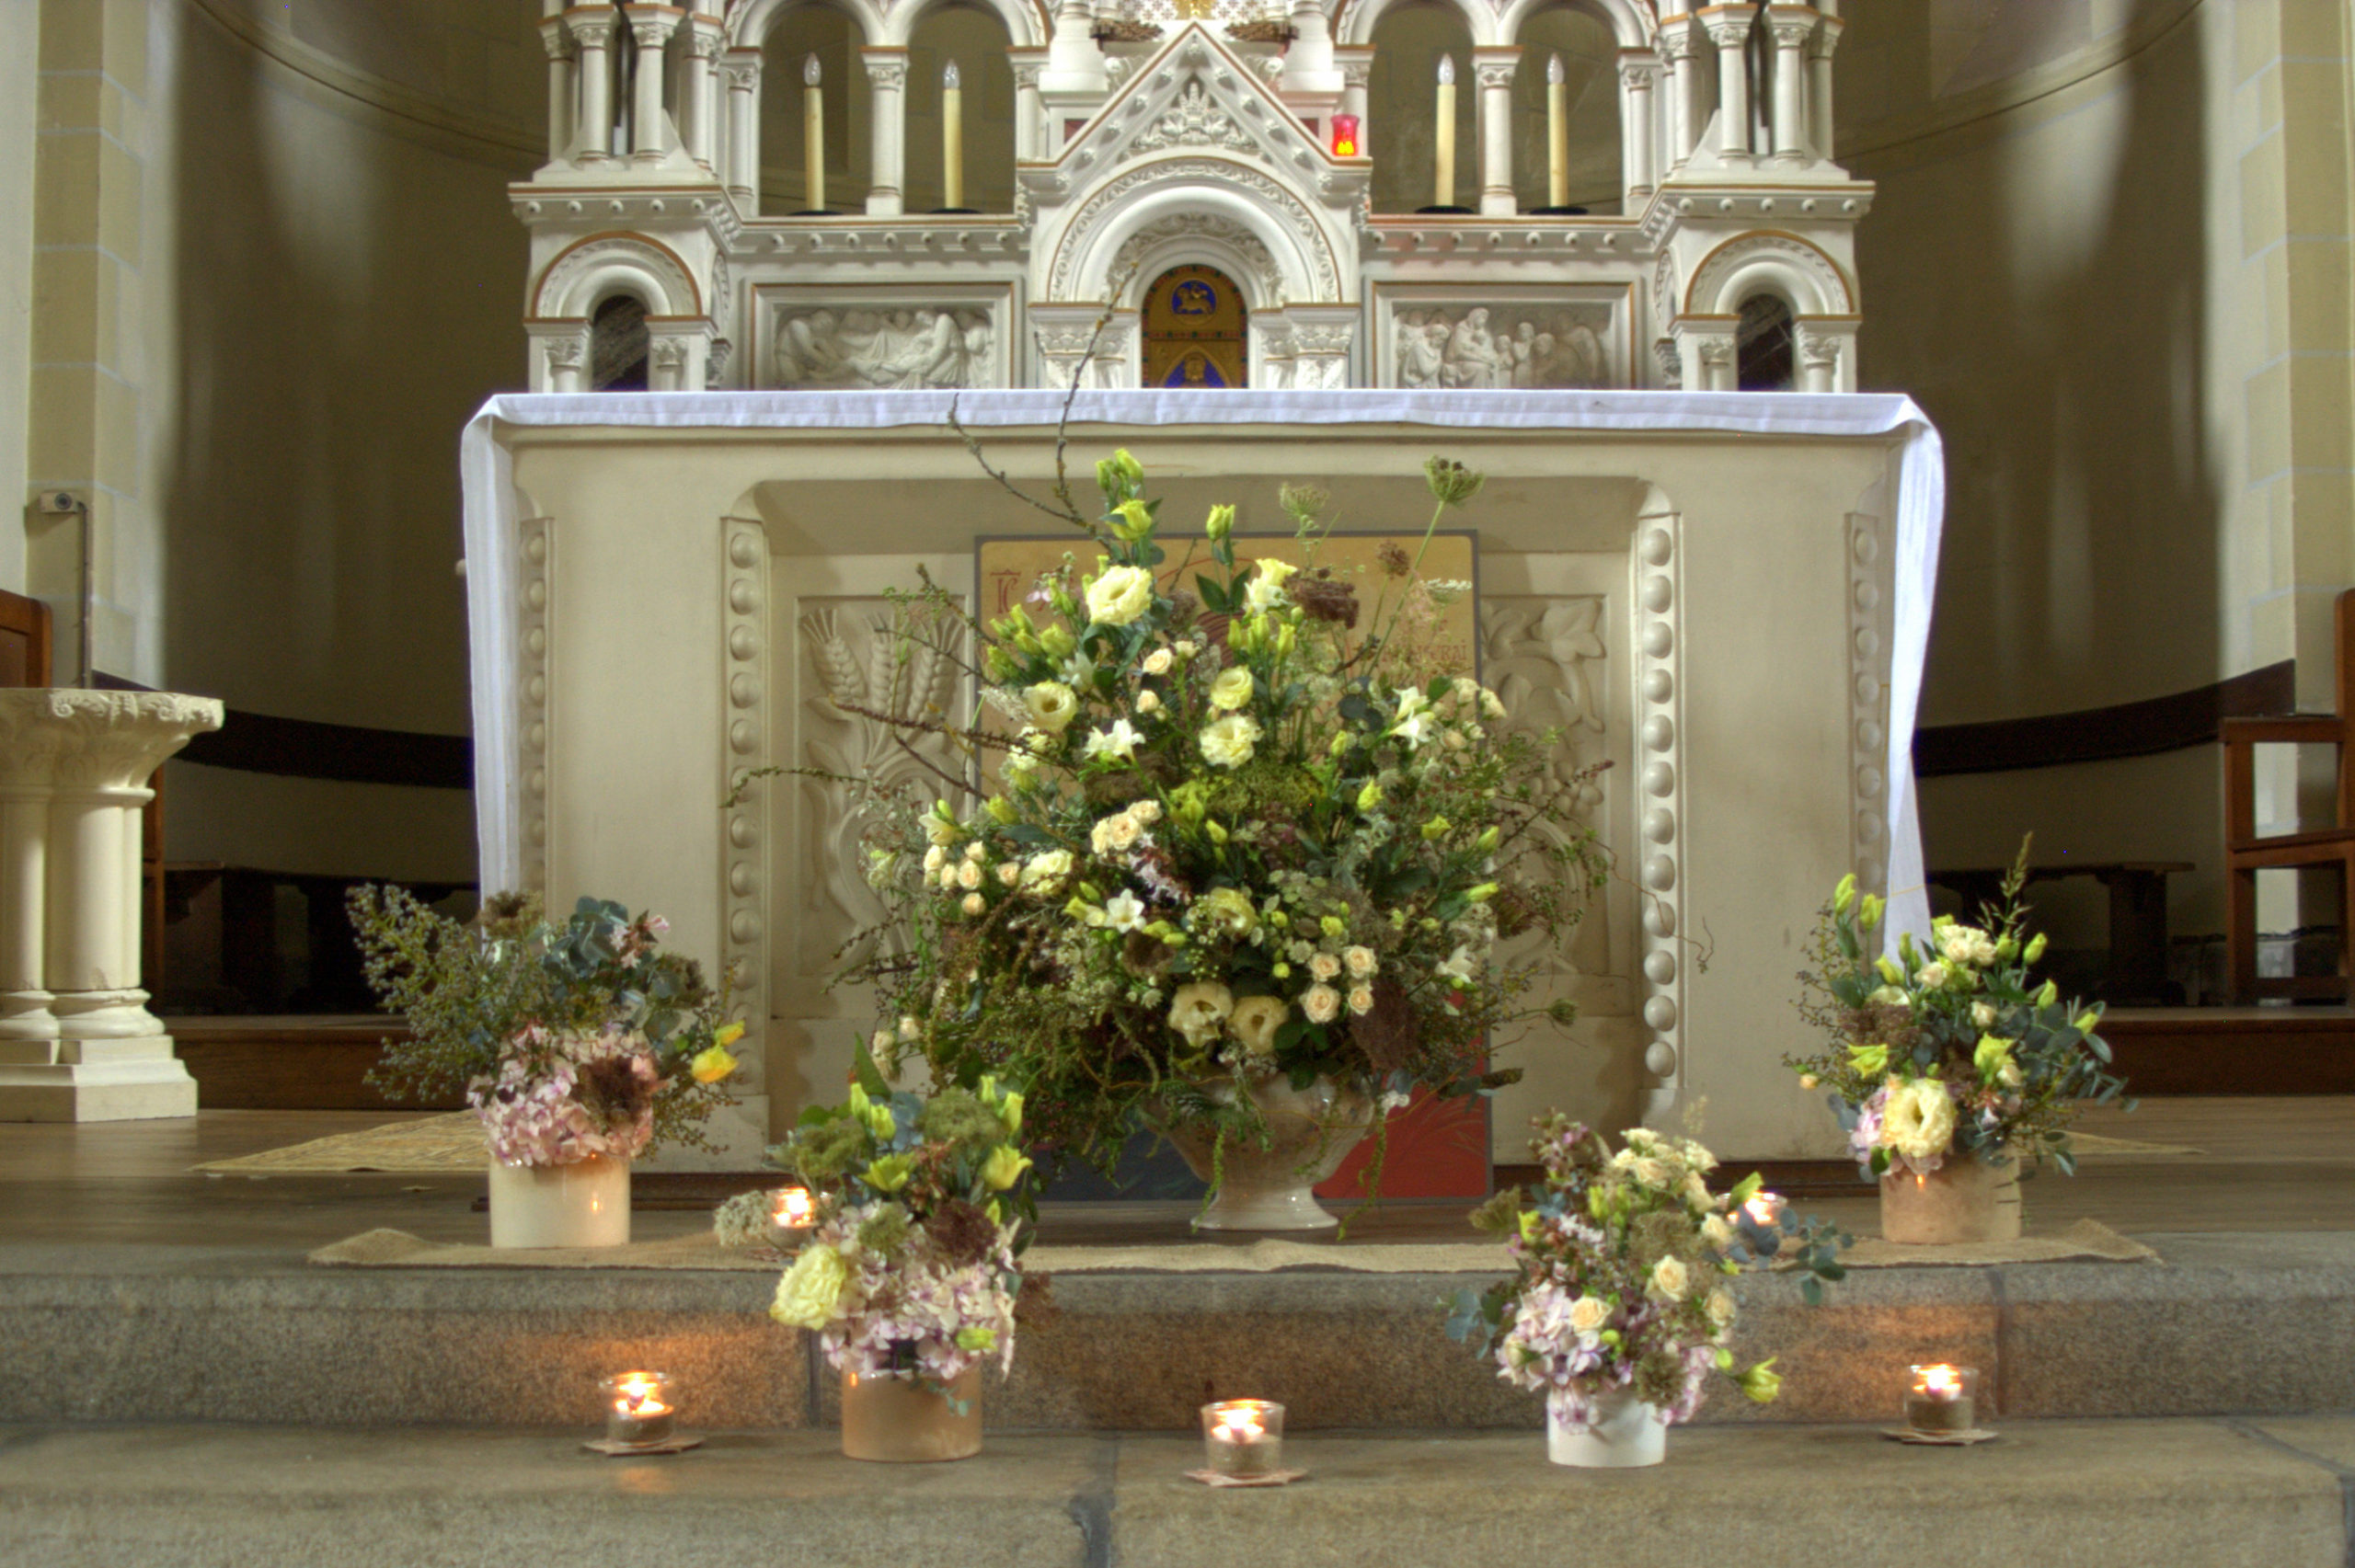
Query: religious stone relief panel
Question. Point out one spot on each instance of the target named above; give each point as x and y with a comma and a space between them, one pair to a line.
1505, 346
857, 702
865, 339
1544, 658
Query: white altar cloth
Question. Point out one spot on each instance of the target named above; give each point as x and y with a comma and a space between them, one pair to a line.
491, 515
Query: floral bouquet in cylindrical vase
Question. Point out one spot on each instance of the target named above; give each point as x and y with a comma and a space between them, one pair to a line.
1948, 1062
1246, 862
910, 1276
1618, 1311
580, 1045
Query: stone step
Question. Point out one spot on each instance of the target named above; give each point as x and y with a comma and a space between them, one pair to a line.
2232, 1324
2217, 1493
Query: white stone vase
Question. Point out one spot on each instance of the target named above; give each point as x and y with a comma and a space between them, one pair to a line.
1966, 1200
585, 1203
1310, 1132
1624, 1432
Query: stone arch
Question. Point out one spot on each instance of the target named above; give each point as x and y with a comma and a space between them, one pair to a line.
1805, 278
597, 266
1242, 222
1027, 25
749, 29
1355, 28
1630, 23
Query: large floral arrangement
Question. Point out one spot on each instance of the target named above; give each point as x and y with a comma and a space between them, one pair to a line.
1240, 833
1620, 1264
1949, 1048
911, 1270
571, 1041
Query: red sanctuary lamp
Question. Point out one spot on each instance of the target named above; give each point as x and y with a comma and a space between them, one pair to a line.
1345, 136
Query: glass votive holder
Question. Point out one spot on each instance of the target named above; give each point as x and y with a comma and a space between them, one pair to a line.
1942, 1399
1242, 1438
639, 1408
792, 1212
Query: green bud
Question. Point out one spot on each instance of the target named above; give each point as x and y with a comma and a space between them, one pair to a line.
1132, 471
2035, 948
1370, 795
1869, 912
1282, 971
1333, 926
1221, 523
1436, 829
1001, 809
1487, 842
1217, 835
1843, 898
2049, 995
1057, 642
1482, 894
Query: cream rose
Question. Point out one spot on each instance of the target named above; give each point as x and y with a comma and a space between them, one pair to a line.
1051, 705
1229, 742
1255, 1022
1041, 873
1918, 1119
1588, 1314
1009, 873
1199, 1008
1119, 595
1671, 1279
1361, 960
1361, 999
1159, 662
974, 904
1231, 689
1719, 1306
1322, 1003
1146, 811
1325, 966
969, 874
1717, 1232
1148, 701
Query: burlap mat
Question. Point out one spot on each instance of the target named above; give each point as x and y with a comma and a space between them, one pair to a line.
2086, 1240
451, 1145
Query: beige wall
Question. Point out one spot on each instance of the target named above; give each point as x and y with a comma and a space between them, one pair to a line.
19, 87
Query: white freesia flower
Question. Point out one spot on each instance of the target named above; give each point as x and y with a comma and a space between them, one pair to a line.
1229, 742
1051, 705
1460, 965
1321, 1004
1119, 595
1118, 739
1124, 912
1266, 590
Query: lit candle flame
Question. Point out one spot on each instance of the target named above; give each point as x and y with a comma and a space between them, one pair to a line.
1941, 1382
793, 1207
639, 1395
1240, 1423
1764, 1207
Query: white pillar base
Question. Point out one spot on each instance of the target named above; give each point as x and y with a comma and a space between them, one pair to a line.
93, 1080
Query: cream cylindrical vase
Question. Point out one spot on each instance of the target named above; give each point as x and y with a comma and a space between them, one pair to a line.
585, 1203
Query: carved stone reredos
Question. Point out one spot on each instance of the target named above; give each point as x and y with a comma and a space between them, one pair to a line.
1196, 129
94, 739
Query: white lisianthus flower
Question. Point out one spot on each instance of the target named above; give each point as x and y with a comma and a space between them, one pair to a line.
1041, 873
1199, 1009
1119, 595
1124, 912
1491, 705
1321, 1004
1051, 705
1146, 811
1118, 740
1361, 961
968, 875
1231, 689
1464, 689
1671, 1279
1361, 999
1323, 966
974, 904
807, 1293
1266, 590
1255, 1022
1113, 834
1148, 702
1918, 1120
1588, 1314
1229, 742
1157, 662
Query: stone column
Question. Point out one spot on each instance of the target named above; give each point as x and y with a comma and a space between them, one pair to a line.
1729, 31
1357, 71
741, 70
1493, 68
1320, 340
1637, 139
1819, 357
887, 130
1684, 116
592, 36
652, 27
77, 1040
1030, 121
562, 54
1818, 97
1064, 334
706, 40
1790, 26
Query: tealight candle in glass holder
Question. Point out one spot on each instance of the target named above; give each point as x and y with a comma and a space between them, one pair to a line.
792, 1212
639, 1408
1942, 1399
1242, 1438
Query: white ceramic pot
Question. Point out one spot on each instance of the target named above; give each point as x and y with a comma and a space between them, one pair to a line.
1965, 1201
1310, 1131
581, 1204
1623, 1433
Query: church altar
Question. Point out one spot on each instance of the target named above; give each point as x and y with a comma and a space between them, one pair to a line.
1724, 596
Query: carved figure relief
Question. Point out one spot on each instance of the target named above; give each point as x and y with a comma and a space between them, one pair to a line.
1487, 347
822, 349
1543, 658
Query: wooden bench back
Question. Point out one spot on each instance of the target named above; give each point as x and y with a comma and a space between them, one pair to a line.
24, 641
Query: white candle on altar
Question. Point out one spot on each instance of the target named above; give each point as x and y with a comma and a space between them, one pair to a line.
1444, 182
813, 136
952, 137
1557, 134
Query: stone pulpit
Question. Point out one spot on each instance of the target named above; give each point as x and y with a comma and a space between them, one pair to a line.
77, 1043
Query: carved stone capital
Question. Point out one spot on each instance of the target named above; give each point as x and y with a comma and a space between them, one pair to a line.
1026, 74
1639, 76
1826, 39
1728, 29
1356, 72
702, 44
740, 69
1818, 350
1791, 33
1715, 352
1674, 43
557, 40
95, 740
667, 353
887, 72
1494, 75
590, 28
565, 353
